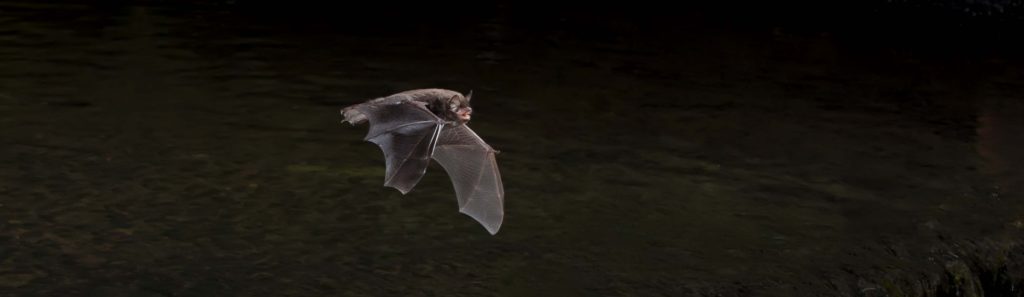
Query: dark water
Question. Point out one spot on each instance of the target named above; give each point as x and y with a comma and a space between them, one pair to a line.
153, 150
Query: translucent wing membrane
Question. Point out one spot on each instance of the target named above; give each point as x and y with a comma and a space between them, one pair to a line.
470, 163
406, 133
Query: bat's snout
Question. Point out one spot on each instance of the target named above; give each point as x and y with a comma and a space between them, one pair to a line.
465, 114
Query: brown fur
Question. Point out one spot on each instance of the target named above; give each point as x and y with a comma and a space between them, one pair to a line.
443, 103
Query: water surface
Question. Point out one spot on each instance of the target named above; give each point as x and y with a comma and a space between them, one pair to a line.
151, 150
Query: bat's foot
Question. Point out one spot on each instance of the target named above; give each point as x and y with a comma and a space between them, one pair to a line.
353, 116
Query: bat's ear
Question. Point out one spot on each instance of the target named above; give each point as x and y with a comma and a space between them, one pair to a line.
469, 96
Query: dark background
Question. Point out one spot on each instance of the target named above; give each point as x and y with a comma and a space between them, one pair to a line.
794, 148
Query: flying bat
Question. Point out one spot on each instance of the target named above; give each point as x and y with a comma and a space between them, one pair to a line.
415, 126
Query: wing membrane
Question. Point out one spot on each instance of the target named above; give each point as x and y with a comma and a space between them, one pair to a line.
471, 165
406, 133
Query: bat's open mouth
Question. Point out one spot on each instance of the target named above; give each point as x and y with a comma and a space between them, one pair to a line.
464, 115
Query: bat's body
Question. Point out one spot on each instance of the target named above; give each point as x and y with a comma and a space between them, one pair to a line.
413, 127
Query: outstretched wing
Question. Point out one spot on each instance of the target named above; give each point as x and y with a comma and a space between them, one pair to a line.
473, 170
406, 131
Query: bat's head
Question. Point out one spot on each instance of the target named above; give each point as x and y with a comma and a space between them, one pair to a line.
458, 107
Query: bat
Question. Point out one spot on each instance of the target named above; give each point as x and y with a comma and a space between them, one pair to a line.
416, 126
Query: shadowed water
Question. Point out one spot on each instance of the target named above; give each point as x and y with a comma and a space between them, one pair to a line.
158, 151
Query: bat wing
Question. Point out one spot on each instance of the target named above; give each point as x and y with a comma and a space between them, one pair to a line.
473, 170
406, 132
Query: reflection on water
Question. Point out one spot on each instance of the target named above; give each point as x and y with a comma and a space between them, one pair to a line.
153, 151
1000, 139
